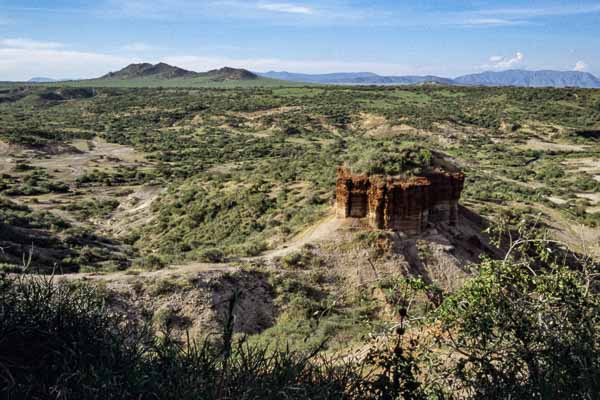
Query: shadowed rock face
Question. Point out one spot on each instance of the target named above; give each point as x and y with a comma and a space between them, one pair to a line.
400, 204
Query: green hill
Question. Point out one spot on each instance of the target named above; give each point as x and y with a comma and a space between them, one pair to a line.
159, 71
147, 75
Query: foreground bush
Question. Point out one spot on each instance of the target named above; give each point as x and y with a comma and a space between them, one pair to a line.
58, 341
523, 334
527, 327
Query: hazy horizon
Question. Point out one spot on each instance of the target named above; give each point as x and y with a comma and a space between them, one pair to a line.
304, 73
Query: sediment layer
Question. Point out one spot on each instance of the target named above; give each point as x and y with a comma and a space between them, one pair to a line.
400, 204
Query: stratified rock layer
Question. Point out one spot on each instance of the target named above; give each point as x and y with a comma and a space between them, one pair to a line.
400, 204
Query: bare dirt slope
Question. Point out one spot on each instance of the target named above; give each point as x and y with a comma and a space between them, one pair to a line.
446, 246
325, 230
196, 304
90, 154
322, 231
134, 211
194, 297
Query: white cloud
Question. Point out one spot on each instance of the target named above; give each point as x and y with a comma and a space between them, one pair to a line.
138, 47
273, 12
543, 11
580, 66
168, 9
21, 43
498, 17
19, 64
285, 8
21, 59
152, 9
500, 62
37, 59
491, 22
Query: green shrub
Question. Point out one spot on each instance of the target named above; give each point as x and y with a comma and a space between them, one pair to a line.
151, 262
390, 159
212, 255
525, 326
58, 341
87, 208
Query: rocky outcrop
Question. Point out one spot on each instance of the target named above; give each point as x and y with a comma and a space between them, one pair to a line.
397, 203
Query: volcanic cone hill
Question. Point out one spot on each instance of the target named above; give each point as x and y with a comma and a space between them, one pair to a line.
160, 70
164, 71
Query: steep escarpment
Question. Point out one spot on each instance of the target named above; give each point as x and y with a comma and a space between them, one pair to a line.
406, 204
195, 303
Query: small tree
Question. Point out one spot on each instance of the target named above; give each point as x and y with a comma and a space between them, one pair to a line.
527, 326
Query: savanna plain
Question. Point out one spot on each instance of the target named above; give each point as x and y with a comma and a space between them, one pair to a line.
182, 243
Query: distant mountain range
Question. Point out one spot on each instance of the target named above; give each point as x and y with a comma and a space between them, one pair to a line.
355, 78
161, 74
531, 79
41, 80
503, 78
158, 74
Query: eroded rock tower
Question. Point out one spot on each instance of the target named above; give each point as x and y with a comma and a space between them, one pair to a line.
400, 203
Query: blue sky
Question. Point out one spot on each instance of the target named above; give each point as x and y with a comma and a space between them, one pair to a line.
81, 39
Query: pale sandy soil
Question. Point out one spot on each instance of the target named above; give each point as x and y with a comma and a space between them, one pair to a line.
377, 126
538, 129
133, 211
171, 271
557, 200
4, 148
534, 185
594, 198
578, 237
272, 111
7, 159
536, 144
323, 230
96, 153
263, 134
90, 155
588, 165
588, 162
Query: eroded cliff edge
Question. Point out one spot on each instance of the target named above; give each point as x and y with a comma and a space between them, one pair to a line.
400, 203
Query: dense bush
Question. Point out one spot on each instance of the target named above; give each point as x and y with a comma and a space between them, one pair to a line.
99, 208
58, 341
520, 334
523, 327
390, 159
527, 326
